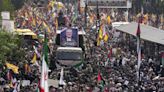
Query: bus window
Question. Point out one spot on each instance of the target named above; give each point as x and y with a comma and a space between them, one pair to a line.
81, 42
58, 39
69, 56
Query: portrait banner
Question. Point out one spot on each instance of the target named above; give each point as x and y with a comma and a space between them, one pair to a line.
69, 38
5, 15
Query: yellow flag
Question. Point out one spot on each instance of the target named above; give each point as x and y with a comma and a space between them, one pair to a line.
56, 23
47, 27
25, 15
27, 68
34, 58
38, 21
52, 3
12, 67
11, 84
106, 38
33, 21
100, 33
108, 20
60, 5
98, 41
91, 19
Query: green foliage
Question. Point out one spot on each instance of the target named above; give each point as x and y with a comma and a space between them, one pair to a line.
6, 5
150, 6
18, 3
10, 48
11, 5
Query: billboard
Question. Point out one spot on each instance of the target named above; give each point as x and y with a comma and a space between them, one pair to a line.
8, 25
69, 38
5, 15
110, 3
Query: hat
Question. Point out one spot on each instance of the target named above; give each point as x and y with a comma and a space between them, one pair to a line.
118, 84
70, 83
87, 87
150, 60
60, 88
161, 65
7, 86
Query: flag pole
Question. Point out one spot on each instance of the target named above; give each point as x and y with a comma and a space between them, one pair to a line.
139, 60
139, 53
44, 46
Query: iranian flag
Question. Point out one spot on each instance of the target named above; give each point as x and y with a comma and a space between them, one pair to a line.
99, 77
100, 81
44, 72
138, 50
61, 81
44, 77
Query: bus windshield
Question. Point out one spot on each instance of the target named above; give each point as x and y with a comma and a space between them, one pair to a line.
69, 56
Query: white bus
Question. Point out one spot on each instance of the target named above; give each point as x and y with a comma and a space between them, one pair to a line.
69, 56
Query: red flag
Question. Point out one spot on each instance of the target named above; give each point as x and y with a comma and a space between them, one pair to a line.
110, 53
99, 77
141, 18
162, 54
138, 31
106, 90
9, 75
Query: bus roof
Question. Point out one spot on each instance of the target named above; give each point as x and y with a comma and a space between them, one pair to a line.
116, 24
69, 49
79, 32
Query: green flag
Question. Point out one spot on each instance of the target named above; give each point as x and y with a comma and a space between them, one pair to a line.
45, 47
102, 84
37, 90
162, 59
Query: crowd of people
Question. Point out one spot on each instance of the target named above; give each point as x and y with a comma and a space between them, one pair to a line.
110, 66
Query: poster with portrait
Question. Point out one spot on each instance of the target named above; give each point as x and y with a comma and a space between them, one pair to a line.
69, 38
5, 15
8, 25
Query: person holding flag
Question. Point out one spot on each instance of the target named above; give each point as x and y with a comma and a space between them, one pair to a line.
44, 71
100, 81
61, 81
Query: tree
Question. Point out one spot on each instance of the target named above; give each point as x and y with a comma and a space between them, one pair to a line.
11, 5
10, 48
6, 5
149, 6
17, 3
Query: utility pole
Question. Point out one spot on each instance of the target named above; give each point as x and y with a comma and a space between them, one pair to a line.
67, 7
86, 9
98, 16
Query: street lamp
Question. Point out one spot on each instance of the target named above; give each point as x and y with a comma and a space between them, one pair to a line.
86, 8
98, 16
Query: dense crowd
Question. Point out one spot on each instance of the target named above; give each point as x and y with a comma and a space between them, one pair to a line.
109, 67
